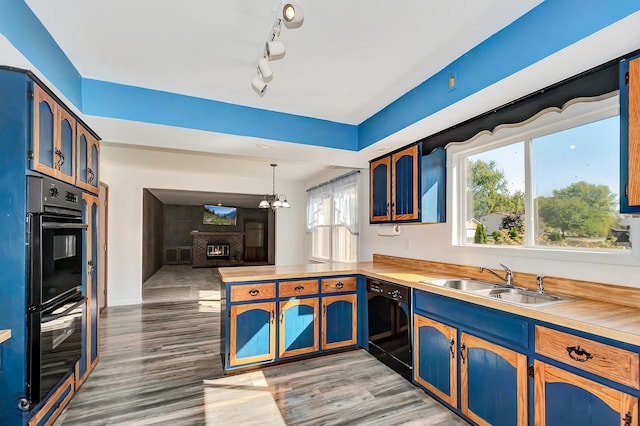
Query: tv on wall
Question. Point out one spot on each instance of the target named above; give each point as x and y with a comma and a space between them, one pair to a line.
219, 215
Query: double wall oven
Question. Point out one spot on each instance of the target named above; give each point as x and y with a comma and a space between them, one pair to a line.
56, 247
389, 316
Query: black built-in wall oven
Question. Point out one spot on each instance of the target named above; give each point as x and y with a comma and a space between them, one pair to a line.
389, 316
56, 247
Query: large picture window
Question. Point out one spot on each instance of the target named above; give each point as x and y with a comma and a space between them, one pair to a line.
552, 182
332, 220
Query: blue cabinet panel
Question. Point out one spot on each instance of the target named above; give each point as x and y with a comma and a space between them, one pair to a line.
253, 333
404, 188
339, 328
501, 326
66, 147
569, 405
492, 387
46, 137
433, 186
380, 190
299, 327
434, 359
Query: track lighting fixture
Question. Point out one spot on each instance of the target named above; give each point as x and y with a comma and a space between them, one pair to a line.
292, 16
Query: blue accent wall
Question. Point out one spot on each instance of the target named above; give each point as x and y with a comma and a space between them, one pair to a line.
25, 31
152, 106
541, 32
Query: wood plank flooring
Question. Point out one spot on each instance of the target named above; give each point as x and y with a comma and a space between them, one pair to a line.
160, 364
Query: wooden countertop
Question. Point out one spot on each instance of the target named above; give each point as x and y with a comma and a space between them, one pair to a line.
5, 335
604, 319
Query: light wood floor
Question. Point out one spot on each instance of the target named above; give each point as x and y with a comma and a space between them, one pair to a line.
160, 364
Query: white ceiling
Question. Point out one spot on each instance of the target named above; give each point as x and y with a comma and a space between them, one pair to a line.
198, 198
347, 61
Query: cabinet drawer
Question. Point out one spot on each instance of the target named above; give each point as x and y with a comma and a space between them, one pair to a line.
338, 285
598, 358
246, 292
298, 288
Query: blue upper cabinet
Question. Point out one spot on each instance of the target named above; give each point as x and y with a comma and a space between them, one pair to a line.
88, 161
394, 187
54, 144
433, 186
630, 136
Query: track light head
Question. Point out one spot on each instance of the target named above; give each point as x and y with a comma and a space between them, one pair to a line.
274, 49
265, 68
292, 15
259, 85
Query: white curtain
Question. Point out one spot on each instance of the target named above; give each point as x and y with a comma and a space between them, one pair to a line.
342, 192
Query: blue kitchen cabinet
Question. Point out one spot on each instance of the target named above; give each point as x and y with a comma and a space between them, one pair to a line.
435, 358
298, 327
380, 190
252, 333
630, 135
54, 138
566, 399
90, 346
395, 186
339, 321
472, 358
88, 156
433, 186
493, 382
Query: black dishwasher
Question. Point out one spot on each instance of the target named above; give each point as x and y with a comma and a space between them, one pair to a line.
389, 307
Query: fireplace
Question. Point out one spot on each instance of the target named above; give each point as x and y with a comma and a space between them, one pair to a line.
218, 251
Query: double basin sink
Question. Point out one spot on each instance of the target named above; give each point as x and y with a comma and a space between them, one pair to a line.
508, 294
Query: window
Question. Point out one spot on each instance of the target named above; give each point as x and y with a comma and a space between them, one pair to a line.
552, 182
332, 219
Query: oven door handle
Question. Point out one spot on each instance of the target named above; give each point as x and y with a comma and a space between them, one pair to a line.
59, 225
48, 318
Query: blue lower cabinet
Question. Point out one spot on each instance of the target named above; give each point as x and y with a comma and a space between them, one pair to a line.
339, 321
435, 358
563, 398
493, 383
252, 333
56, 402
298, 327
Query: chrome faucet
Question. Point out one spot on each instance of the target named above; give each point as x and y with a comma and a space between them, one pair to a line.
539, 279
508, 278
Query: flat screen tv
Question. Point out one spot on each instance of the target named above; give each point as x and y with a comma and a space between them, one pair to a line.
219, 215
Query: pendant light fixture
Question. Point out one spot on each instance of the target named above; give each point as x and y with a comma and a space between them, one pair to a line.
275, 200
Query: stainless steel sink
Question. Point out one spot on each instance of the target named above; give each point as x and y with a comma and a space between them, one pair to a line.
514, 295
522, 296
463, 284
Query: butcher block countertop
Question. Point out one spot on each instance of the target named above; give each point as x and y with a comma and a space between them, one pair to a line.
602, 318
5, 335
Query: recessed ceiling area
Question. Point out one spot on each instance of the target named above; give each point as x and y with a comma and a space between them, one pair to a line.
195, 198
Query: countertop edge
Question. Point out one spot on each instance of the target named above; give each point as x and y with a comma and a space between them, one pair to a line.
5, 335
542, 313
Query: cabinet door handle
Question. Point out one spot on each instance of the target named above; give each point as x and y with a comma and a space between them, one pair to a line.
91, 266
273, 316
339, 285
281, 317
627, 419
452, 343
57, 164
254, 292
463, 348
90, 175
299, 288
580, 354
